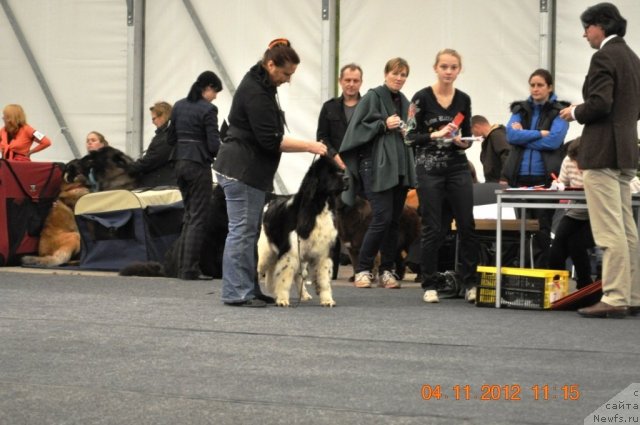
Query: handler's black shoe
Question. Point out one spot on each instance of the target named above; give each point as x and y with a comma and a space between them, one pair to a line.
266, 298
254, 303
258, 294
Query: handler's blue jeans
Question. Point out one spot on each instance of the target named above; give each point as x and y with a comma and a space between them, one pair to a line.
244, 208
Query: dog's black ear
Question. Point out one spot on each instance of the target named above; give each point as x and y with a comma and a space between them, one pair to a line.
71, 170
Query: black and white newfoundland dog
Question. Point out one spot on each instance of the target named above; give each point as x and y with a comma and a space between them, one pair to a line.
298, 234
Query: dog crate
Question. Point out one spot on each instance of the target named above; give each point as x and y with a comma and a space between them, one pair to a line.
27, 191
529, 289
118, 227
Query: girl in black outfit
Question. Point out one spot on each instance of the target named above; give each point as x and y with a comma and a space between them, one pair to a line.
444, 178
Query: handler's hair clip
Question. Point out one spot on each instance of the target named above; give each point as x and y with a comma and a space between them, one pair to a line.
279, 42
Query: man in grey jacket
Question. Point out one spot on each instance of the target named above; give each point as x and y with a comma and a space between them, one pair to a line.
609, 156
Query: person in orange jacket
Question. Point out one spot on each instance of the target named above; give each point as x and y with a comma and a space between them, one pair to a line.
17, 137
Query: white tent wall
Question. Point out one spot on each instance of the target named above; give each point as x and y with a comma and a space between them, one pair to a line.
81, 47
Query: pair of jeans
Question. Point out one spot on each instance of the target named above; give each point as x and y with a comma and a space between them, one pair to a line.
195, 183
244, 208
452, 188
382, 233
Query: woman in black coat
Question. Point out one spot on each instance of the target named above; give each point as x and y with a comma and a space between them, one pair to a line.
194, 134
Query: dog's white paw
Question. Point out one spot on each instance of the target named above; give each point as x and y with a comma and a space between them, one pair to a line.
327, 301
282, 302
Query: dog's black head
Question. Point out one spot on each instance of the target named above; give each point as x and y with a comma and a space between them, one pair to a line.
108, 166
325, 177
338, 172
74, 172
106, 159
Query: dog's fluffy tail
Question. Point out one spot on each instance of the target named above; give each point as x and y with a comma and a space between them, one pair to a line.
147, 269
59, 257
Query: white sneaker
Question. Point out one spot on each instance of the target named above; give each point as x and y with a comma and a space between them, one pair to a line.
363, 279
431, 296
470, 295
388, 280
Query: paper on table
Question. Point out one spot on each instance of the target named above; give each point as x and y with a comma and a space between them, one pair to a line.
491, 211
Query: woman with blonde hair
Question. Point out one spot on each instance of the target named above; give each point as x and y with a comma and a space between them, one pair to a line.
95, 141
17, 137
442, 117
154, 167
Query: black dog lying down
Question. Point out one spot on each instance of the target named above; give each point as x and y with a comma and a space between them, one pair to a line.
212, 248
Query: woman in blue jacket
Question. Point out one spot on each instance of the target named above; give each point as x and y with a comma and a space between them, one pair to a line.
536, 134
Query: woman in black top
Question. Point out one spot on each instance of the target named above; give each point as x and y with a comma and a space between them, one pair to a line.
444, 178
247, 164
154, 168
194, 133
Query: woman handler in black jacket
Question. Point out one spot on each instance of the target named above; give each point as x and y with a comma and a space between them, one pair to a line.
194, 133
247, 164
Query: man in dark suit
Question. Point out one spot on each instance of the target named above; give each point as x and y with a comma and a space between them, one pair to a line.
609, 156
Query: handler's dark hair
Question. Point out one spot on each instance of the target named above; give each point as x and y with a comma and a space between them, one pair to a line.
281, 53
206, 79
607, 16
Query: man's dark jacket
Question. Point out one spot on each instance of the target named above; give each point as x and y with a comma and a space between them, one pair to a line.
611, 109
